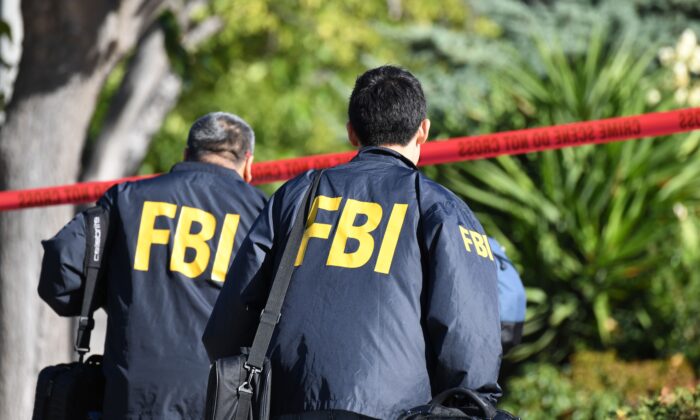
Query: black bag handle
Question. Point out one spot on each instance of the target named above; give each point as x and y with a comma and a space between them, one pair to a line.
270, 316
97, 226
486, 409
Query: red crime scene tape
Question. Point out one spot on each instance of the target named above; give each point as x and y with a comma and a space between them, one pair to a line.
432, 153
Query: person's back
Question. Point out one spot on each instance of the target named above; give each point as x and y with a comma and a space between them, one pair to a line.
393, 299
170, 245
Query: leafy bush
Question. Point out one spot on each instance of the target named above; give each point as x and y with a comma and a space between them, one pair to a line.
595, 372
681, 404
605, 236
596, 385
287, 67
545, 391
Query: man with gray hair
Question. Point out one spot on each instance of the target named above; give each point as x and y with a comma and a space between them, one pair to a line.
170, 244
222, 139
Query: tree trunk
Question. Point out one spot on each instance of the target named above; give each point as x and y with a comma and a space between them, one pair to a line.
10, 50
148, 92
69, 48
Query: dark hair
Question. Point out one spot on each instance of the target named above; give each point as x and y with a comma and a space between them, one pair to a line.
386, 106
223, 134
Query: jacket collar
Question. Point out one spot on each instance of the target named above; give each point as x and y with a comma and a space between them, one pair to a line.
206, 167
382, 154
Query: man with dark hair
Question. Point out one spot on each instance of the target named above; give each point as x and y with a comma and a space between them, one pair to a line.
394, 295
386, 107
170, 243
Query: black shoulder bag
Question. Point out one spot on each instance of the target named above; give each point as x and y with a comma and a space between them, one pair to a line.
75, 390
457, 403
239, 386
454, 403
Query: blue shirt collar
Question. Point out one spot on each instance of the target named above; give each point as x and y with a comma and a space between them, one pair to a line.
382, 154
206, 167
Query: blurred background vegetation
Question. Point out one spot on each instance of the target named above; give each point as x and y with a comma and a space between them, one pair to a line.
607, 238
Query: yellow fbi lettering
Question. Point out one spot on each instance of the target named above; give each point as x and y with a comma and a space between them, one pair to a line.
372, 214
476, 242
186, 238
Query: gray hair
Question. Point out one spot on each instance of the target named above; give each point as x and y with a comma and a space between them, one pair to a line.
223, 134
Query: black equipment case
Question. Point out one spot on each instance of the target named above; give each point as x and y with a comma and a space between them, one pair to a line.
74, 391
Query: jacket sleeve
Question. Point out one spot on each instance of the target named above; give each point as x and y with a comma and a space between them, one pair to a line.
61, 280
461, 314
236, 313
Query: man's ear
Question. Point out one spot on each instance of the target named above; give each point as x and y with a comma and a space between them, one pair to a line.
248, 168
423, 131
352, 136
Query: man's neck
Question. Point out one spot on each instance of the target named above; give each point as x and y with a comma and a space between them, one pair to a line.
410, 151
220, 161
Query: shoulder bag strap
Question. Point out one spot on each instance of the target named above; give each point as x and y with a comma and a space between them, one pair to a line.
270, 316
97, 224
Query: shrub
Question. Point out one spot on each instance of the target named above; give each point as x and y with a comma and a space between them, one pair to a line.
681, 404
596, 385
606, 237
545, 391
603, 372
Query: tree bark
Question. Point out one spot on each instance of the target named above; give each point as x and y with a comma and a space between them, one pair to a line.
148, 92
10, 50
69, 48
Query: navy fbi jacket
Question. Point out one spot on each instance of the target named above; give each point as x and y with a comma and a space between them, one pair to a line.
394, 297
170, 245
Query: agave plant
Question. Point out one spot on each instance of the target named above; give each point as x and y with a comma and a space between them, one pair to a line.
606, 259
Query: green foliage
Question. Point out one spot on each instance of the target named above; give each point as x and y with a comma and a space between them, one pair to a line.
5, 30
545, 391
595, 385
681, 404
570, 21
107, 93
605, 372
288, 68
457, 66
586, 223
